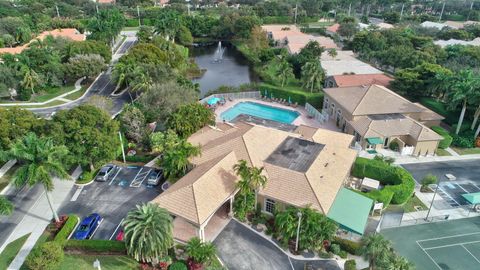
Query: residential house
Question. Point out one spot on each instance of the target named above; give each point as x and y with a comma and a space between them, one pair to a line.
429, 24
305, 167
445, 43
377, 116
357, 80
68, 33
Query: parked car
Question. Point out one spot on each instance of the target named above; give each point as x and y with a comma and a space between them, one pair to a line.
87, 227
155, 177
120, 235
105, 172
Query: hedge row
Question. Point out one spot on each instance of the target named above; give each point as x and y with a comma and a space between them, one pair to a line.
66, 230
396, 179
94, 245
447, 139
315, 99
348, 245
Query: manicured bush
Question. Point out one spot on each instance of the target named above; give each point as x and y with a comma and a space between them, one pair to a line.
86, 177
178, 266
350, 265
463, 140
383, 196
447, 139
397, 180
335, 248
66, 230
348, 245
301, 97
48, 256
96, 245
138, 158
394, 146
343, 254
24, 94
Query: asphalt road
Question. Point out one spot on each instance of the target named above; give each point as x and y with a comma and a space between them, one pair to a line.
23, 199
241, 248
111, 199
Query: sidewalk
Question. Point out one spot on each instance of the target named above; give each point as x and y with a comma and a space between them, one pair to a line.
37, 219
410, 159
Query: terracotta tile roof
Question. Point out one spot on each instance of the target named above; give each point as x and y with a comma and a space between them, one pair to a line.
197, 195
373, 99
14, 50
362, 79
106, 1
281, 31
296, 42
318, 186
333, 28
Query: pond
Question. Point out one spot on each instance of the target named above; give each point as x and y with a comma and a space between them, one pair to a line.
224, 65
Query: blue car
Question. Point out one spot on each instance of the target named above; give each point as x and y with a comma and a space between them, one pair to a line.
87, 227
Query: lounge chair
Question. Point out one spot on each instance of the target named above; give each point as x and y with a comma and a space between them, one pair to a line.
230, 99
295, 104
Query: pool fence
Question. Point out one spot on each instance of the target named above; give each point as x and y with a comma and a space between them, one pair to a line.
237, 95
321, 117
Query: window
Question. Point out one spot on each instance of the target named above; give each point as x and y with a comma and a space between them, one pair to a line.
357, 136
270, 206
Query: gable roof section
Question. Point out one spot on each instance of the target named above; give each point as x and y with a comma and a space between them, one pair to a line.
197, 195
348, 66
362, 79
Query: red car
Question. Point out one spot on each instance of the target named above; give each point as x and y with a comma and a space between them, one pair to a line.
120, 235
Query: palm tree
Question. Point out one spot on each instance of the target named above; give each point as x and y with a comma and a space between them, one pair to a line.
332, 53
399, 263
40, 159
462, 86
140, 81
148, 232
6, 207
30, 79
312, 75
201, 253
257, 180
284, 72
374, 246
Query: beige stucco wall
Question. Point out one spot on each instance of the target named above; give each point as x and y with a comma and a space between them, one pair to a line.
425, 147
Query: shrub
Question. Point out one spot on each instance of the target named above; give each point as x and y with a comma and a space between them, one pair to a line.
96, 245
301, 97
46, 257
335, 248
178, 266
350, 265
447, 139
86, 177
24, 94
394, 146
343, 254
383, 196
348, 245
464, 140
428, 180
66, 230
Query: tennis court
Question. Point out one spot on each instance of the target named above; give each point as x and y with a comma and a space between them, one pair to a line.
448, 245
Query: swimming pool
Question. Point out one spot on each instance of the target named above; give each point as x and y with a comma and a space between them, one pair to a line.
260, 110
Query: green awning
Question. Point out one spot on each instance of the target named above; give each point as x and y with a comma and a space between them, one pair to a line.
473, 198
374, 140
351, 210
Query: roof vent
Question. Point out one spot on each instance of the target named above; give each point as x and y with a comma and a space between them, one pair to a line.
326, 164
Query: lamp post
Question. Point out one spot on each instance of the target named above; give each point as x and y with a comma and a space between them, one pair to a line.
431, 204
299, 215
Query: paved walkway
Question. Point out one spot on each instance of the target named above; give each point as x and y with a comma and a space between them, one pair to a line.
451, 152
38, 218
4, 169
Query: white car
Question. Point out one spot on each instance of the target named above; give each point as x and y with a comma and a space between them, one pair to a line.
105, 172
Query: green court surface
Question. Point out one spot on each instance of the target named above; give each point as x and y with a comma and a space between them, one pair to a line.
447, 245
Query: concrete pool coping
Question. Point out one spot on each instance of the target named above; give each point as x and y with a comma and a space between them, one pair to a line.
302, 119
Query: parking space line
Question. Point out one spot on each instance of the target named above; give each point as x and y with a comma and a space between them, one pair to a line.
113, 179
136, 182
447, 194
116, 229
77, 193
98, 226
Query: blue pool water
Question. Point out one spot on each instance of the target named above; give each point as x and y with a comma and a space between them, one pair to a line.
213, 101
260, 110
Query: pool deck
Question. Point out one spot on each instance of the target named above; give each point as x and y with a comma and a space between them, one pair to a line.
303, 119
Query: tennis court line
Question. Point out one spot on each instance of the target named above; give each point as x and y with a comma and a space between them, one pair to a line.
470, 253
452, 245
428, 255
444, 237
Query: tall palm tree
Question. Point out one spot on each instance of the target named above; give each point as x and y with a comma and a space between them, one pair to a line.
374, 246
39, 160
30, 79
241, 169
257, 180
148, 232
312, 75
200, 252
6, 207
462, 86
284, 72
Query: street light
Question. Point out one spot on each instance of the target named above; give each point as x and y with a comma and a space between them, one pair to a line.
299, 215
431, 204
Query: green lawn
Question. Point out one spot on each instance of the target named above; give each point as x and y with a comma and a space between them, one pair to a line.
466, 151
50, 93
320, 24
442, 152
11, 250
76, 95
43, 238
409, 206
108, 262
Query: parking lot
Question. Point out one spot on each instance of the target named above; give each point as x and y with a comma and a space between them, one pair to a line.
125, 188
466, 172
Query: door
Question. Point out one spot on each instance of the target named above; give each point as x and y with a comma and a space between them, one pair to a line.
385, 142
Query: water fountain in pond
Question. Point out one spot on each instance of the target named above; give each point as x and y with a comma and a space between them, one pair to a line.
218, 56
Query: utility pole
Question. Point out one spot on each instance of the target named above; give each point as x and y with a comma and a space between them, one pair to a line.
441, 13
431, 204
349, 9
296, 8
138, 15
401, 12
96, 7
299, 215
58, 13
470, 11
123, 149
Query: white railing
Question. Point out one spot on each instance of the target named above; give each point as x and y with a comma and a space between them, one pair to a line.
315, 114
237, 95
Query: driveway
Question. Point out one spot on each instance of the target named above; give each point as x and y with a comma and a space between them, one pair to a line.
242, 249
112, 199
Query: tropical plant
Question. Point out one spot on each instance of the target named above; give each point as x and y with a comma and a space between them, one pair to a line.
31, 79
46, 257
284, 72
200, 252
257, 180
398, 263
6, 207
312, 75
148, 232
251, 178
374, 249
189, 118
332, 53
175, 161
39, 160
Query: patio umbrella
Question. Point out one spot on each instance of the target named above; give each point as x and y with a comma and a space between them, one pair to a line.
271, 95
289, 101
266, 93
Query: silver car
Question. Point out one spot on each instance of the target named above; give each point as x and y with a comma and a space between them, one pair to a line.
155, 177
105, 172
